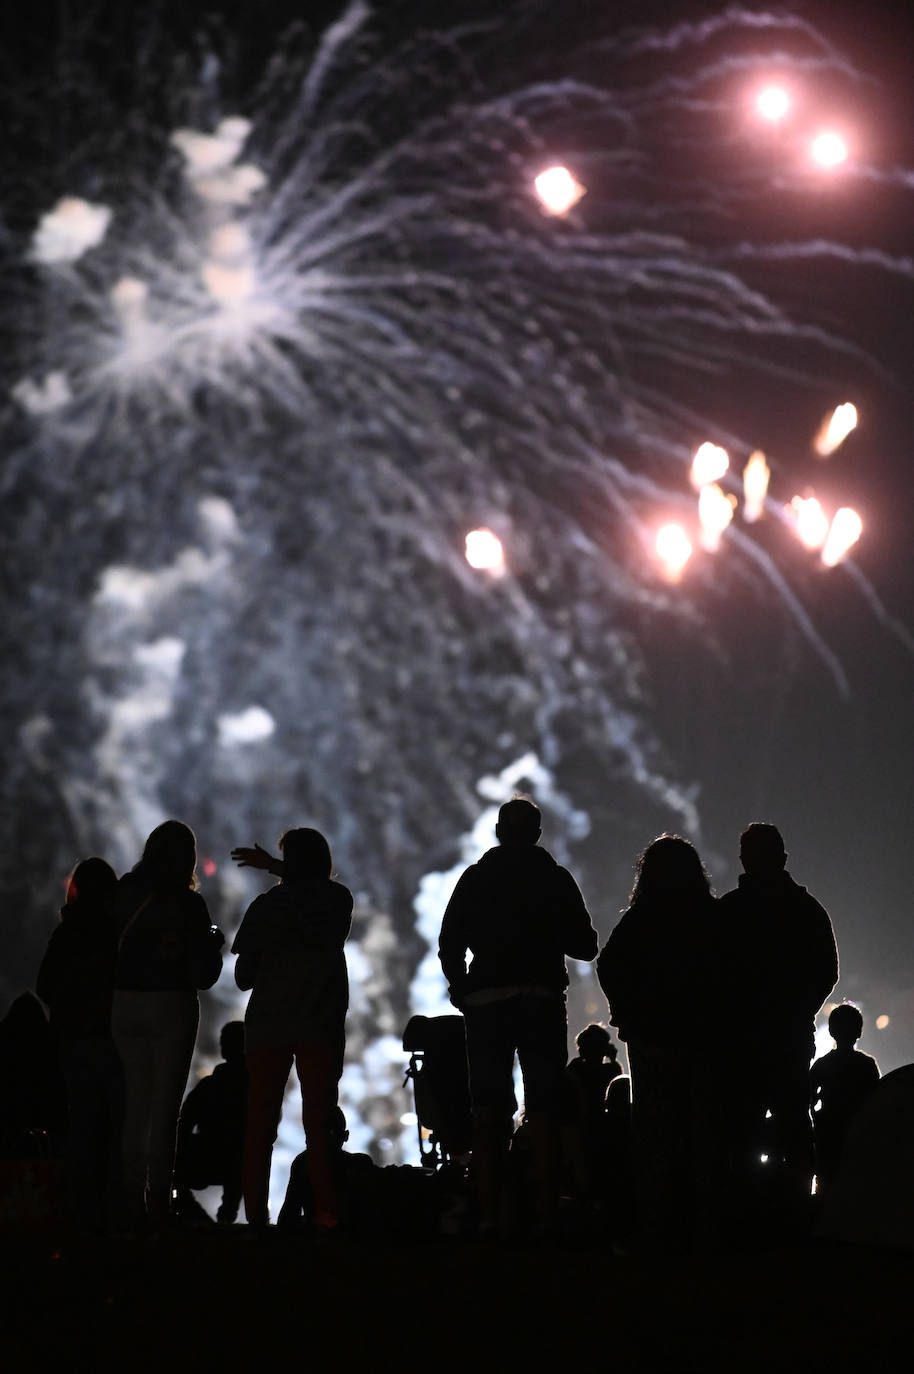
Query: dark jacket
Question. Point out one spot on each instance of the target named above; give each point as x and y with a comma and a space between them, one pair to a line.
76, 977
519, 914
780, 954
290, 951
159, 935
660, 970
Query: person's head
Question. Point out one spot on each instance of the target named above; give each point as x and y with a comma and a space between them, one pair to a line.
231, 1040
845, 1025
90, 884
594, 1042
338, 1130
519, 822
670, 867
305, 854
170, 857
761, 850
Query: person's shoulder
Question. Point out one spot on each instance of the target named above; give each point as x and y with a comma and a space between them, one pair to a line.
340, 894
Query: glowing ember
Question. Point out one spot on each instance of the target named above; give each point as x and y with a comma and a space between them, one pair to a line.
773, 103
484, 551
846, 529
674, 549
709, 464
835, 429
809, 521
558, 190
715, 511
756, 475
829, 149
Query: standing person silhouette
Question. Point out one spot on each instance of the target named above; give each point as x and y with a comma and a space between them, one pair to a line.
519, 914
290, 953
167, 948
659, 972
76, 980
839, 1083
781, 961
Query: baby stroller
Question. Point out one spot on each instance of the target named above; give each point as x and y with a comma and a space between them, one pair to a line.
441, 1087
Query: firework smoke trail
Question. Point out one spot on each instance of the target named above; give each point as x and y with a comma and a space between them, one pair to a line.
275, 353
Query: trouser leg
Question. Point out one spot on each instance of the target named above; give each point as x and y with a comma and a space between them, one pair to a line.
319, 1066
268, 1073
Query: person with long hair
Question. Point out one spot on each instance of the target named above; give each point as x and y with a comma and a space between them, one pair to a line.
290, 954
167, 949
659, 971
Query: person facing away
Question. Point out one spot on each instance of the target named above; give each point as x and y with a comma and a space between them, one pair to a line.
781, 960
839, 1082
167, 948
584, 1123
519, 914
76, 981
290, 954
659, 972
211, 1132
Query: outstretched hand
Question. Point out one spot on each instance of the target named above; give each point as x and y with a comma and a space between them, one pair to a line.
253, 858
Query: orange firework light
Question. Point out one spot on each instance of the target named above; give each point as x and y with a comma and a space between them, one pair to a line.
756, 476
773, 103
558, 190
809, 520
829, 149
709, 464
484, 551
715, 511
835, 428
674, 549
846, 529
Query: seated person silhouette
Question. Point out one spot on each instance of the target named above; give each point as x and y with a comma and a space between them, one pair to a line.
297, 1211
211, 1133
839, 1083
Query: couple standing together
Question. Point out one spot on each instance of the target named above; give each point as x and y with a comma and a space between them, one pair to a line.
681, 972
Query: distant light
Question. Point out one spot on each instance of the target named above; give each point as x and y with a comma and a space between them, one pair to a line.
385, 1144
809, 521
828, 149
558, 190
756, 476
709, 464
773, 103
409, 1119
484, 551
881, 1022
715, 511
846, 529
674, 549
209, 868
835, 428
768, 1115
763, 1158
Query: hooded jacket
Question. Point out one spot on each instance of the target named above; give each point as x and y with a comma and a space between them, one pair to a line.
519, 914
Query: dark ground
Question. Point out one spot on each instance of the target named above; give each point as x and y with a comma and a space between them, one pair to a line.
232, 1299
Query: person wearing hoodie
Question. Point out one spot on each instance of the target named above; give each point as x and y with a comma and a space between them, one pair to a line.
290, 954
779, 953
76, 981
519, 914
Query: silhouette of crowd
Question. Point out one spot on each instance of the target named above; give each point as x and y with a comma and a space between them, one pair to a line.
708, 1129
